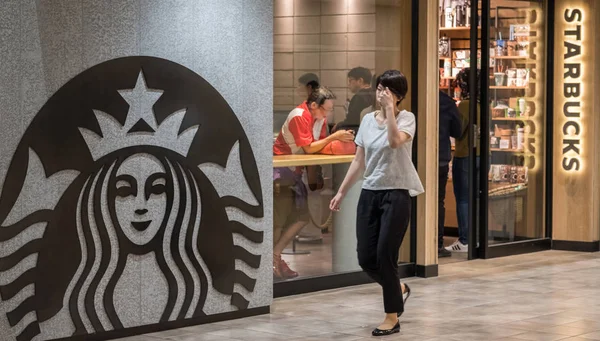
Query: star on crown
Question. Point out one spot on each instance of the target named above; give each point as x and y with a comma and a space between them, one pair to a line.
140, 128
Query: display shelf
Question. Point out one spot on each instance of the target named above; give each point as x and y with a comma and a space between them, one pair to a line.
516, 119
504, 87
456, 29
512, 151
509, 57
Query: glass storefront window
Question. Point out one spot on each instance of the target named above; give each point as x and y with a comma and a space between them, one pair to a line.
517, 113
342, 45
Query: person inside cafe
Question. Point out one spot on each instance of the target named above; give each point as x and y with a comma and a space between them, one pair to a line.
450, 126
359, 83
303, 132
307, 83
460, 163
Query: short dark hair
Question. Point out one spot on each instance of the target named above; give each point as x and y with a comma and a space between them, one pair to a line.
320, 95
463, 82
361, 72
395, 81
309, 79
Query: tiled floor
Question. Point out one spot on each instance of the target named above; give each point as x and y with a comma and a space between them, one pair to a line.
543, 296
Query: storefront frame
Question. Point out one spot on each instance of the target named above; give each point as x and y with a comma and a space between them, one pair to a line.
480, 219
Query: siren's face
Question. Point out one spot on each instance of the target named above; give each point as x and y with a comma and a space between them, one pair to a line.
141, 198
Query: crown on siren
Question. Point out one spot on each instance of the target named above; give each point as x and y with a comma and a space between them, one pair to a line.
140, 128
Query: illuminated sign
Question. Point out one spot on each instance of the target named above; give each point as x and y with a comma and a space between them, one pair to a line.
572, 91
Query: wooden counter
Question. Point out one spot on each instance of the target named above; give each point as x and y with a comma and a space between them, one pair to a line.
310, 160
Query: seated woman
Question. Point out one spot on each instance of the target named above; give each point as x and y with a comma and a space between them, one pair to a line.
304, 132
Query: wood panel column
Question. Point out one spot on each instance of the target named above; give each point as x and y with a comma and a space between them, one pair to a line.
576, 156
427, 130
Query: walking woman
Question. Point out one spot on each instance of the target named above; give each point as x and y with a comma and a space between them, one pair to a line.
384, 153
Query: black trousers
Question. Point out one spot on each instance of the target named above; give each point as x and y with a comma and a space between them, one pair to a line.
443, 180
381, 222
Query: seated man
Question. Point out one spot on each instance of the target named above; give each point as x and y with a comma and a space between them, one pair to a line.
359, 83
304, 132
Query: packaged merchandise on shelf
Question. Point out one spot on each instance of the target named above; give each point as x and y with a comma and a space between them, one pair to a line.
519, 104
494, 141
448, 17
520, 33
504, 173
514, 142
447, 68
454, 13
503, 130
494, 175
511, 48
520, 138
461, 54
512, 178
522, 77
524, 109
522, 173
505, 133
500, 110
511, 77
444, 47
505, 142
508, 174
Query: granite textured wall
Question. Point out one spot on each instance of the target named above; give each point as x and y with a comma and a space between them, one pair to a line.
135, 162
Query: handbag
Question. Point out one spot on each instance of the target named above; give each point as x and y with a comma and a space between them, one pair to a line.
339, 148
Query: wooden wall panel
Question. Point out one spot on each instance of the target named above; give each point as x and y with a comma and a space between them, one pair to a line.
596, 87
427, 131
393, 39
576, 198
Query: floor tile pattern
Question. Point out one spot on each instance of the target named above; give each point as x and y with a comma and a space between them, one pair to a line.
551, 295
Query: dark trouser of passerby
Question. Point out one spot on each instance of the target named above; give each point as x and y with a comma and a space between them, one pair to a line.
443, 180
460, 179
381, 222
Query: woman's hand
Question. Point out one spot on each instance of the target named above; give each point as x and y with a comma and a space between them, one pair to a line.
334, 205
344, 135
387, 101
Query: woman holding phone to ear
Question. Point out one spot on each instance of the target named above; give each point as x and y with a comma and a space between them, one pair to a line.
384, 153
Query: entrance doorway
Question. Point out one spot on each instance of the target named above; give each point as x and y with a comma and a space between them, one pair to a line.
498, 183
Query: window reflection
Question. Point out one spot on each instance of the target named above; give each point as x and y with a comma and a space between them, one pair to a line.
340, 45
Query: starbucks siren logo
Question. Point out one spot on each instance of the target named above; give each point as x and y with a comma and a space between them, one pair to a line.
111, 214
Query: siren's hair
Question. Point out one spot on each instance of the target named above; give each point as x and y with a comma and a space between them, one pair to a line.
99, 271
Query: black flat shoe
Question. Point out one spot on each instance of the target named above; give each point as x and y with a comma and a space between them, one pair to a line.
405, 296
384, 332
